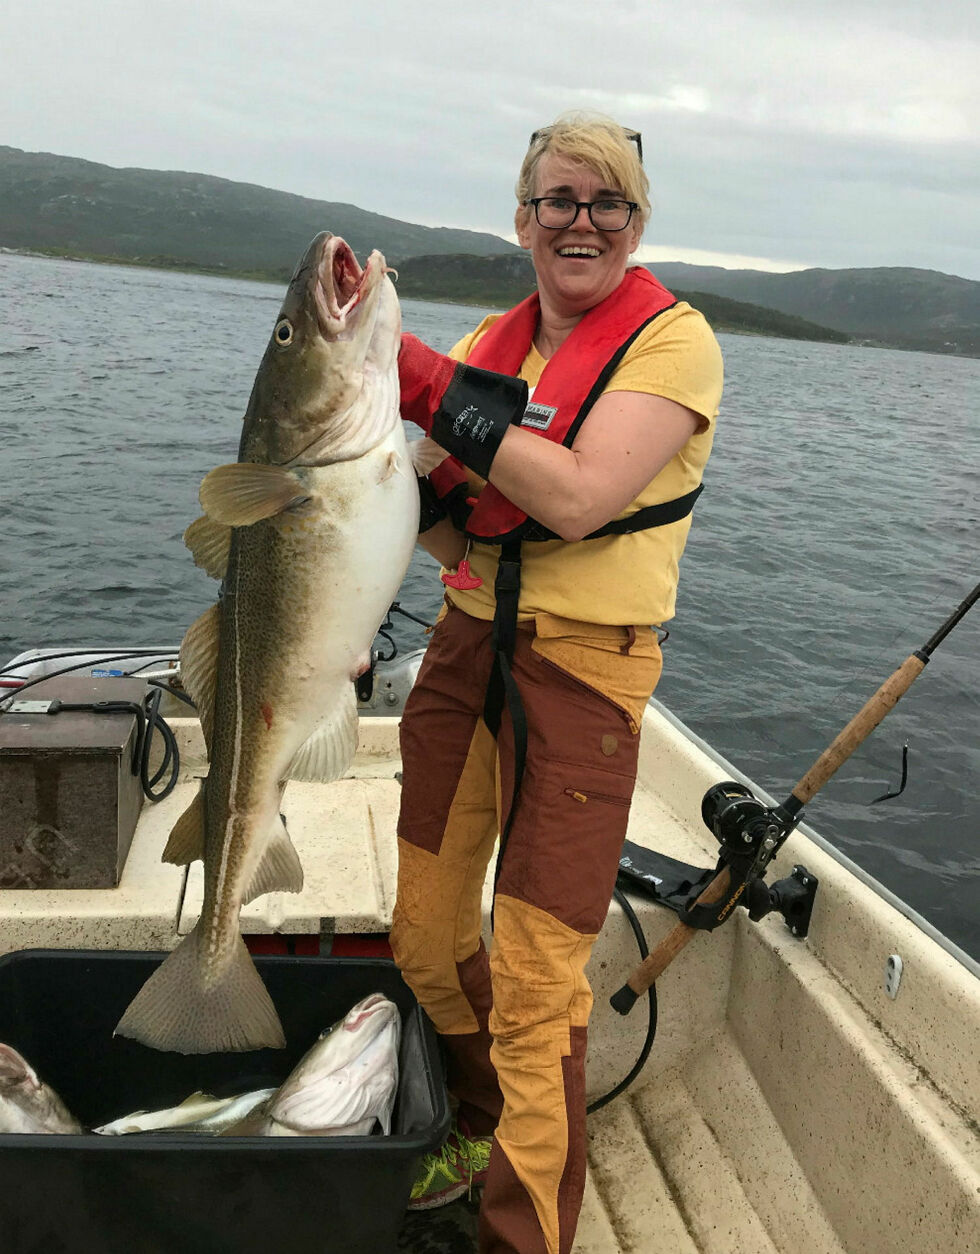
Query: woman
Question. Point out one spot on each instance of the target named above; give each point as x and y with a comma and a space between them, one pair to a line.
576, 508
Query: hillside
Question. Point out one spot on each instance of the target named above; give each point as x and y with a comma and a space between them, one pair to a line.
193, 221
76, 208
896, 306
502, 281
497, 282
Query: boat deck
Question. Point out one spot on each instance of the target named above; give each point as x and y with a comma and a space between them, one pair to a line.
789, 1104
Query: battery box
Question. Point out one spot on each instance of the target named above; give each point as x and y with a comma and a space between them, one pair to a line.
69, 799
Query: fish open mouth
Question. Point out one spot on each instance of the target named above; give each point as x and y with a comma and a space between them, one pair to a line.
365, 1009
342, 284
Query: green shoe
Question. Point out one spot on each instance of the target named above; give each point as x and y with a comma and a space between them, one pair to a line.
461, 1163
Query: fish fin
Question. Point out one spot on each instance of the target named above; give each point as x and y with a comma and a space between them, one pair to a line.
255, 1123
426, 455
243, 493
178, 1010
280, 870
199, 666
392, 466
327, 754
210, 544
186, 842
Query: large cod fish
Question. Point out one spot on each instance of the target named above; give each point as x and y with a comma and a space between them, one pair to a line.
312, 531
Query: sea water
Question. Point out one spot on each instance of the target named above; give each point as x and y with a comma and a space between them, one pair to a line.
838, 529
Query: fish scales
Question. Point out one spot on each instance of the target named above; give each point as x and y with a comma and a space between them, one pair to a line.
318, 520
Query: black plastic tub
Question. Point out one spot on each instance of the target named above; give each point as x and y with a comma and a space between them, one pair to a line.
177, 1193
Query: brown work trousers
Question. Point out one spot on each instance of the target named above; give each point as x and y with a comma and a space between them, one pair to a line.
514, 1022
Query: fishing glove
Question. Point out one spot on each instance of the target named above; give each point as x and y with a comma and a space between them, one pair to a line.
464, 409
431, 508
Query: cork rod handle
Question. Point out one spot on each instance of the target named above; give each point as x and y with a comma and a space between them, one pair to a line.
856, 731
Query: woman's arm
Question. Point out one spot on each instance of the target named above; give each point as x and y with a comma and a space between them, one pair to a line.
626, 440
444, 542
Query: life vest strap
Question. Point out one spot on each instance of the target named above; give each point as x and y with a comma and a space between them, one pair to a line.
660, 515
640, 520
502, 687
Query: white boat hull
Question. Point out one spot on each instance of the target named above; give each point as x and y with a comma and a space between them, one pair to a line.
789, 1103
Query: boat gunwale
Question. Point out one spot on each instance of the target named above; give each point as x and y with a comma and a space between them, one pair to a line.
859, 873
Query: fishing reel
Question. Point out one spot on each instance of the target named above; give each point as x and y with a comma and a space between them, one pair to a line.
738, 820
750, 834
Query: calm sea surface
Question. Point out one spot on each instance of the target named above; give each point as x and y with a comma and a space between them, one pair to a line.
838, 530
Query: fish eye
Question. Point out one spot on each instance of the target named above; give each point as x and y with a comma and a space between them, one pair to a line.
283, 334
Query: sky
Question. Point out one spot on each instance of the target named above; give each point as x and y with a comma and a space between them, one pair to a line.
776, 135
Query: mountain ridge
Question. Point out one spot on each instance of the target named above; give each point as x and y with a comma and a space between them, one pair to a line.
70, 206
503, 281
51, 203
900, 306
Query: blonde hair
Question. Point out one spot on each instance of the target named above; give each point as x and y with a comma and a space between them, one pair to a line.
596, 141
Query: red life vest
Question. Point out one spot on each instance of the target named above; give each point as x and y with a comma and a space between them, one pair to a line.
570, 384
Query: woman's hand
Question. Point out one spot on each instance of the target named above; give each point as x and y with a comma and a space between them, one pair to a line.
626, 440
464, 409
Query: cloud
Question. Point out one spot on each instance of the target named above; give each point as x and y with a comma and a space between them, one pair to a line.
678, 97
839, 133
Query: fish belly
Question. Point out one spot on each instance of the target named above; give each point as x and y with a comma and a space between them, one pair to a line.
304, 595
310, 593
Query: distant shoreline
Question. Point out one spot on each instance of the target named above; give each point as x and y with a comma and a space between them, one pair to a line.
168, 266
150, 263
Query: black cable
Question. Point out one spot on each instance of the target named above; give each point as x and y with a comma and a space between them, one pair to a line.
174, 692
637, 1067
396, 606
148, 720
15, 693
386, 657
171, 753
93, 661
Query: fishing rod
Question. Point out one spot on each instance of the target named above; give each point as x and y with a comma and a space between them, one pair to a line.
751, 833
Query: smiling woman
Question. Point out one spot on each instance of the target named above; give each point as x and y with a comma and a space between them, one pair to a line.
561, 523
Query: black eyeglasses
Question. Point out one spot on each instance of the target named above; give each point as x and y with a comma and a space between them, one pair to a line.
558, 212
633, 136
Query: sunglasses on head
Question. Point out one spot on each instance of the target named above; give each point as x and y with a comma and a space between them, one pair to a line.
633, 136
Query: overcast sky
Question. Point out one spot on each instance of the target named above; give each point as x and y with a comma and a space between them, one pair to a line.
776, 134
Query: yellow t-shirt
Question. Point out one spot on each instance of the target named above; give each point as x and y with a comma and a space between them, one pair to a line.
629, 579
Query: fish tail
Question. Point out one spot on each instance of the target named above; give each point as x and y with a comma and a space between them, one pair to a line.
184, 1009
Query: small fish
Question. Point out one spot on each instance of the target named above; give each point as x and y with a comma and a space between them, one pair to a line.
311, 531
346, 1082
197, 1113
26, 1103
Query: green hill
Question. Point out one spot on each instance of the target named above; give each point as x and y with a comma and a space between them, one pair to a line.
192, 221
500, 282
70, 207
894, 306
497, 282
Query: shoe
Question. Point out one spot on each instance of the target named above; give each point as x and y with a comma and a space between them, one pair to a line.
461, 1163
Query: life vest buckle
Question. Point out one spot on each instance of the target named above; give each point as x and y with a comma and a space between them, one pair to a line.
508, 578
